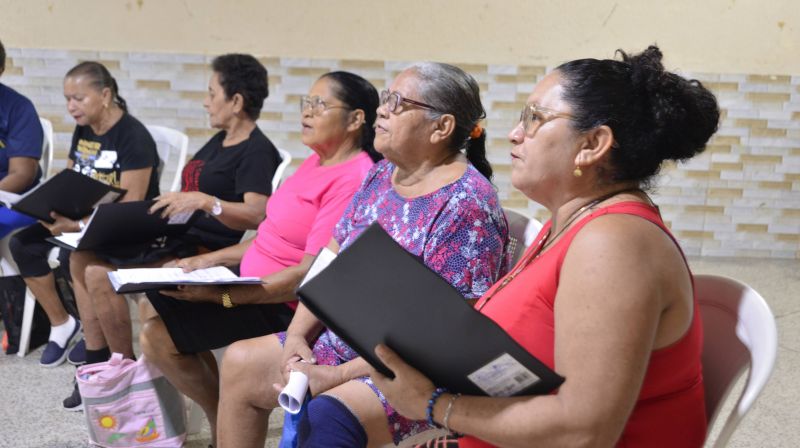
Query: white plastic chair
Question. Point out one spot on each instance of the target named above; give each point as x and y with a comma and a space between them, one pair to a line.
533, 228
739, 331
167, 141
46, 161
277, 178
8, 268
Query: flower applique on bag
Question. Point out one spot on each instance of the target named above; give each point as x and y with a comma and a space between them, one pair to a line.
131, 404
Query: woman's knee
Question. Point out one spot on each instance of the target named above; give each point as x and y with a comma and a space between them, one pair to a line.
238, 359
251, 365
95, 277
155, 340
78, 261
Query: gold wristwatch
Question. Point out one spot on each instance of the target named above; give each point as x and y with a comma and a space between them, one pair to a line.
226, 300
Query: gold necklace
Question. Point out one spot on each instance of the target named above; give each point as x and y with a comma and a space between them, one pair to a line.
546, 241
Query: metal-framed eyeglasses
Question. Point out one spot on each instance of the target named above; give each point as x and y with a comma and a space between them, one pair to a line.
393, 99
316, 105
533, 117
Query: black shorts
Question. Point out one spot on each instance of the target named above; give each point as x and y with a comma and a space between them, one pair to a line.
148, 253
30, 250
199, 327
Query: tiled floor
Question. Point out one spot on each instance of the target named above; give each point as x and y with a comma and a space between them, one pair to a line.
30, 396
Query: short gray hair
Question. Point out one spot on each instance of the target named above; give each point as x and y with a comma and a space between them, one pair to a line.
450, 90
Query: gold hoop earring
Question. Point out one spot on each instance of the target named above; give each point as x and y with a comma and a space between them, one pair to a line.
577, 172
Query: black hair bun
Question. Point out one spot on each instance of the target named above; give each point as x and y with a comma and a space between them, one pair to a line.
655, 115
682, 113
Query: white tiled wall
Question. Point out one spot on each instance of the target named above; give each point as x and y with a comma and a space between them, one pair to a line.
739, 198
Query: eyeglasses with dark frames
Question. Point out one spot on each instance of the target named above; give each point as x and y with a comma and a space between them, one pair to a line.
533, 117
317, 105
393, 99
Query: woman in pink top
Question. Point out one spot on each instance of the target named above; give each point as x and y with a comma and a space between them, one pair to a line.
337, 119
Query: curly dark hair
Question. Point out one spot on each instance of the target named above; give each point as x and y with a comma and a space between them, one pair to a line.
243, 74
2, 58
655, 115
358, 93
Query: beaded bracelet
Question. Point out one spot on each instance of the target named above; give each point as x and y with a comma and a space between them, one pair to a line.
431, 402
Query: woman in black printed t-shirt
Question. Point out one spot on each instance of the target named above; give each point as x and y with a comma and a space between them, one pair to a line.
109, 145
229, 179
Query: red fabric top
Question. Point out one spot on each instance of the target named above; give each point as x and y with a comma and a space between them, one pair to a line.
670, 410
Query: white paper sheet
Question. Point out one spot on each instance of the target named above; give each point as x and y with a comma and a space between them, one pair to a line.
213, 275
325, 257
292, 396
8, 198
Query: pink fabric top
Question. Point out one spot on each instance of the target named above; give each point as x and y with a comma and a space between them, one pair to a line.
302, 213
670, 410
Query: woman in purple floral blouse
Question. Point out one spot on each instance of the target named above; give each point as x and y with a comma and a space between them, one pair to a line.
432, 194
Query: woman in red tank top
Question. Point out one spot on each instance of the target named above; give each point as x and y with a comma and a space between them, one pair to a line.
604, 295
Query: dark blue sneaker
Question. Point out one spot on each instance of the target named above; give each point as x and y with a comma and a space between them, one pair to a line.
77, 355
54, 354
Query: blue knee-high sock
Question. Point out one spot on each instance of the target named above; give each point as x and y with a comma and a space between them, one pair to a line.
329, 424
291, 423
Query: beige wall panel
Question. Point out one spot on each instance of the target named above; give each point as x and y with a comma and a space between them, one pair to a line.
722, 36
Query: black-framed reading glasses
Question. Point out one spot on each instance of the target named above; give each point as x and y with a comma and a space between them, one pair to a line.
393, 99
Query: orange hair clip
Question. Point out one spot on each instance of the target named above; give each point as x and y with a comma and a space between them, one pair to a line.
476, 132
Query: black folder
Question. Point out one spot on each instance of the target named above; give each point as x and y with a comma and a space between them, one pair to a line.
377, 292
69, 194
124, 223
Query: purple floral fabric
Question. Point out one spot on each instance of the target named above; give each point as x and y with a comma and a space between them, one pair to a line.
459, 231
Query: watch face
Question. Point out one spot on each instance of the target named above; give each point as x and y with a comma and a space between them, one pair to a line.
216, 210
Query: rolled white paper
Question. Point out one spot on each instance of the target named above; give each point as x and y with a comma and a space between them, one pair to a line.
292, 396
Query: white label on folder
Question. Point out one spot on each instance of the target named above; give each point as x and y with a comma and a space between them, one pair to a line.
503, 377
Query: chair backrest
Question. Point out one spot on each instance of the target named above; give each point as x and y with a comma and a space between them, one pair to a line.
531, 230
8, 268
277, 178
517, 223
172, 147
46, 161
738, 330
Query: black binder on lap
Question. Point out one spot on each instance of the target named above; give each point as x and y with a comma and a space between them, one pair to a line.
69, 194
377, 292
124, 223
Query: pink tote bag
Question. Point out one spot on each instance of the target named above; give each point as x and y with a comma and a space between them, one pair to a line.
131, 404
